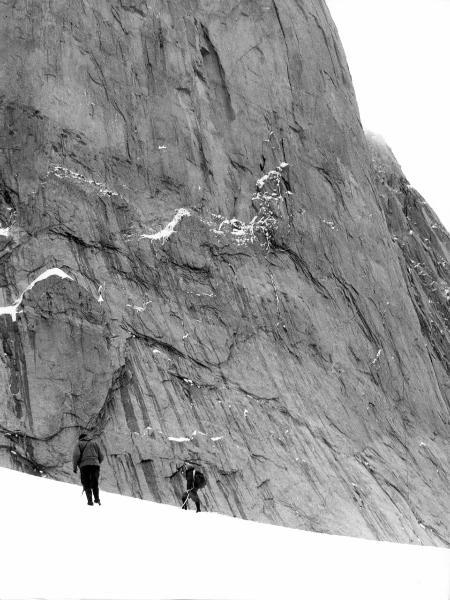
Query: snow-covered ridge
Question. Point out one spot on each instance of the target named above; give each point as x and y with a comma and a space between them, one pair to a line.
243, 233
139, 551
169, 229
65, 173
269, 194
273, 177
12, 310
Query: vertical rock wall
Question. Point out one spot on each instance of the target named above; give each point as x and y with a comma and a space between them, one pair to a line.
235, 295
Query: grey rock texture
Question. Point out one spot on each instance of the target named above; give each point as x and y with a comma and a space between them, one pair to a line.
244, 288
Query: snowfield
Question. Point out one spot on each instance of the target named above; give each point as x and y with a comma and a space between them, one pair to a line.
54, 546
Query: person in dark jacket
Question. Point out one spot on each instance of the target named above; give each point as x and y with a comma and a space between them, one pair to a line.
88, 456
194, 481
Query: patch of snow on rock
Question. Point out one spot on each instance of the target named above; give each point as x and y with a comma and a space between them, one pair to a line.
12, 309
65, 173
377, 356
165, 233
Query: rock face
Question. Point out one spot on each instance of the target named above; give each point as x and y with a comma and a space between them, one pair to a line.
239, 278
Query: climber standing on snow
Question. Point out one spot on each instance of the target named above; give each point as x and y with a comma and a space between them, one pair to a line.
88, 456
194, 481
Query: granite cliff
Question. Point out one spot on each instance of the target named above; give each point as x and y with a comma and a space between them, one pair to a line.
204, 258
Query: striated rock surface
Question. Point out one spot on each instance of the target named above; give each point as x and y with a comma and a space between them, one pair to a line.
250, 284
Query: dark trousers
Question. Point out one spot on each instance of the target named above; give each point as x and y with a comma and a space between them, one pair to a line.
89, 481
190, 495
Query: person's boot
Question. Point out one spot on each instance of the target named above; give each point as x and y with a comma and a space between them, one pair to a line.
89, 497
96, 496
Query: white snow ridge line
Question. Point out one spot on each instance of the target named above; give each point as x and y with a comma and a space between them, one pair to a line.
12, 310
165, 233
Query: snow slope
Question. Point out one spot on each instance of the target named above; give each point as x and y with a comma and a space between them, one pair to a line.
55, 546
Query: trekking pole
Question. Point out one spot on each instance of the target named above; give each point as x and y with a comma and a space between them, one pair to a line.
187, 497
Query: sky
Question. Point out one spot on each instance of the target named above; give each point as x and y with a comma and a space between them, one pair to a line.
398, 52
54, 546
